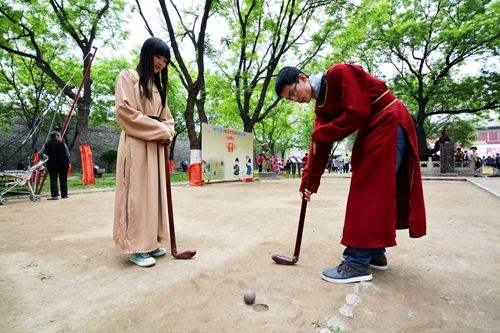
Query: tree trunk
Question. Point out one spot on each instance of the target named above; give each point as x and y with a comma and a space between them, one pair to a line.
421, 136
194, 141
248, 126
71, 143
82, 123
172, 147
248, 123
200, 102
84, 103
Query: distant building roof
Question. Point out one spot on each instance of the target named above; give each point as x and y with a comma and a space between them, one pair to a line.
486, 125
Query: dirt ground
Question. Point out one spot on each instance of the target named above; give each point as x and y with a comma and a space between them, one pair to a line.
60, 272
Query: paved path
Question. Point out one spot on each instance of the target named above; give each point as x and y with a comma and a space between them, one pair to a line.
59, 270
490, 184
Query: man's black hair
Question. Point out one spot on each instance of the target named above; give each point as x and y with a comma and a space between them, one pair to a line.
287, 75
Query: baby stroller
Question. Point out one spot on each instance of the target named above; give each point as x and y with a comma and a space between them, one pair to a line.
22, 178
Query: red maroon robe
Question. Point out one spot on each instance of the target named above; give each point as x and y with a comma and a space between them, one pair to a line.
379, 200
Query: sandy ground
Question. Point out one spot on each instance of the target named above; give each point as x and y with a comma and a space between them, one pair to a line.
59, 270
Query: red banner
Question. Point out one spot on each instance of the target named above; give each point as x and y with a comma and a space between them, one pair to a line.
194, 175
88, 177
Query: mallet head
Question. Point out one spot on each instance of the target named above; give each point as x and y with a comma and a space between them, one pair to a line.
284, 260
184, 255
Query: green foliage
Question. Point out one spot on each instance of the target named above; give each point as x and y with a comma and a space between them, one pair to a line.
26, 91
104, 73
289, 126
49, 32
108, 180
304, 127
431, 46
177, 96
463, 132
222, 108
109, 155
261, 36
6, 115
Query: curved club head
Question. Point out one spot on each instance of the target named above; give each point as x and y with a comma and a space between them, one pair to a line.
284, 260
184, 255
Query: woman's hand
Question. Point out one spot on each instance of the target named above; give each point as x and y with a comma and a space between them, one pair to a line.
164, 142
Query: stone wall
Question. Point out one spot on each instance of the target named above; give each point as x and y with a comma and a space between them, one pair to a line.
102, 138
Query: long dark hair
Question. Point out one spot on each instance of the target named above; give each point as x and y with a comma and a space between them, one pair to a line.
153, 46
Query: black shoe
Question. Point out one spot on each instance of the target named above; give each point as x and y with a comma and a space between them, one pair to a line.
53, 198
379, 261
65, 197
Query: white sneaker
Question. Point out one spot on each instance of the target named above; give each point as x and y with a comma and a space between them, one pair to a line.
142, 259
160, 251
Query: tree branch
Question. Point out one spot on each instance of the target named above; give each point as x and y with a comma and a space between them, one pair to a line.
148, 28
489, 106
189, 32
175, 45
43, 65
61, 16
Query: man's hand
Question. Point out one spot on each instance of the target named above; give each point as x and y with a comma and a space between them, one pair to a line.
306, 195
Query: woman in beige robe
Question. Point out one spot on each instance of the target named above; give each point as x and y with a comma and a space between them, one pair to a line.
140, 221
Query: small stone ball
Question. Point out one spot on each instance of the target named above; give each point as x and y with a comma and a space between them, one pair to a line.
249, 297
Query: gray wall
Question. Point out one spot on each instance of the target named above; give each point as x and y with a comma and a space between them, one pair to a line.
102, 138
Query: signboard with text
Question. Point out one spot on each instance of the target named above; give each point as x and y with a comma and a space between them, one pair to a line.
226, 154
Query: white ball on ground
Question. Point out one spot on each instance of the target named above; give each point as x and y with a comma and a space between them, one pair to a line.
249, 296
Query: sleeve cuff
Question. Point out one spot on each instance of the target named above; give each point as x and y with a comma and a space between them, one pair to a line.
313, 184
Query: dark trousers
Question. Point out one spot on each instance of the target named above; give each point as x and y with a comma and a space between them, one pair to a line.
62, 174
358, 257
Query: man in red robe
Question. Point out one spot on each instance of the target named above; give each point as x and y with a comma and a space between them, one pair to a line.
386, 185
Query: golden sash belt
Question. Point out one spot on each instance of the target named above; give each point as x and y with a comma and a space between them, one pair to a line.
383, 102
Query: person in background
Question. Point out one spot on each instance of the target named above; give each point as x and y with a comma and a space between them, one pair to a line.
260, 161
57, 165
20, 165
347, 162
184, 165
304, 159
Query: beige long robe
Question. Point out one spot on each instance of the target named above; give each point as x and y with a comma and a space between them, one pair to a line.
140, 200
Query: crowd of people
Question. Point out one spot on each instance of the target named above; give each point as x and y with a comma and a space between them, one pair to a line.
472, 155
493, 161
272, 163
294, 164
339, 164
